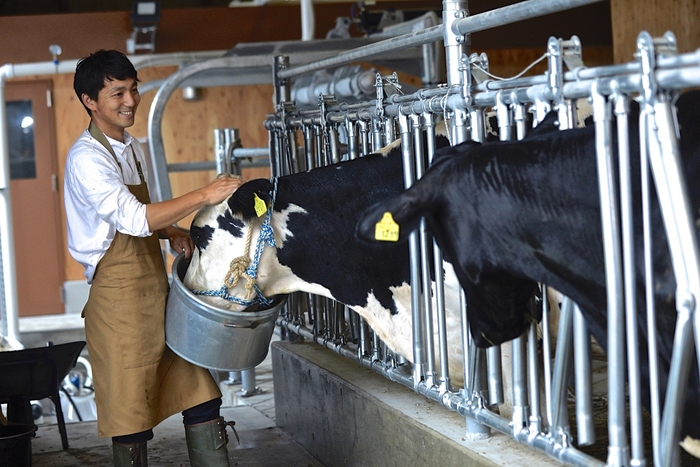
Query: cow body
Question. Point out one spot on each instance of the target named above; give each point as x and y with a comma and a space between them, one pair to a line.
529, 210
313, 219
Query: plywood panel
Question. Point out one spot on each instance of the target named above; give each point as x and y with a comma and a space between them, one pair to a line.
188, 129
630, 17
27, 38
188, 126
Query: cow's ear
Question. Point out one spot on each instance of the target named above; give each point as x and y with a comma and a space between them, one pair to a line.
251, 198
393, 219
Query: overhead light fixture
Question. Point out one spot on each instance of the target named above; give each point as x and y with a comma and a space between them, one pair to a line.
145, 16
55, 50
27, 122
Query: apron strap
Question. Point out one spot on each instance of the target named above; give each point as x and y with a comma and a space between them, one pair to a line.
102, 139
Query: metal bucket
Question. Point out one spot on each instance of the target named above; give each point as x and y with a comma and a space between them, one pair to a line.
16, 445
212, 337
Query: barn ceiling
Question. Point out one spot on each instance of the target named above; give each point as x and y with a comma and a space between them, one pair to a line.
48, 7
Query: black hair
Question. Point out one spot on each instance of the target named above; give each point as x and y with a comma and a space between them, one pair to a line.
92, 71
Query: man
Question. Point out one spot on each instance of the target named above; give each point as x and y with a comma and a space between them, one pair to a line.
111, 225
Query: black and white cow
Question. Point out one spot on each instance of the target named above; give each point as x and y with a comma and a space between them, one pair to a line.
506, 214
313, 221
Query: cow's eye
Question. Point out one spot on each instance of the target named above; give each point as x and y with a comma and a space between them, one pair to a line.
201, 236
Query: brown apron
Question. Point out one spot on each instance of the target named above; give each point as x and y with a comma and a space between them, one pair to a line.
138, 380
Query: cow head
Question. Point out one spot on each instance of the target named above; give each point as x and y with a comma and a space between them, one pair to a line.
499, 302
226, 237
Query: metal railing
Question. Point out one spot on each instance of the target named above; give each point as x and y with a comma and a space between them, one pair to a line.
365, 127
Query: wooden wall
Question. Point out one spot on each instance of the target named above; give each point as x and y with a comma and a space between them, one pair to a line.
188, 126
630, 17
187, 129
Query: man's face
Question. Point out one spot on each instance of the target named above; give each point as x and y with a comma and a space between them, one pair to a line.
115, 107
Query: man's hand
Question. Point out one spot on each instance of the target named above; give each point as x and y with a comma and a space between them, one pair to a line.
221, 187
181, 243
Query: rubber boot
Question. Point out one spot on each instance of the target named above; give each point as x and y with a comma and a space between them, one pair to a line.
206, 443
130, 455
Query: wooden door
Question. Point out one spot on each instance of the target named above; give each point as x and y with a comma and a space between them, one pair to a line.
35, 198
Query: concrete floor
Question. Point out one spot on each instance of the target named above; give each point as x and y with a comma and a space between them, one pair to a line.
262, 443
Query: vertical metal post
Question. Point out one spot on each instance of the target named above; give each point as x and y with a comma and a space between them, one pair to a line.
505, 120
353, 149
582, 381
309, 147
432, 65
365, 341
581, 338
547, 355
389, 129
414, 255
9, 307
478, 125
520, 408
377, 136
665, 161
618, 451
555, 75
678, 217
279, 63
562, 369
277, 141
232, 140
518, 116
621, 107
456, 47
535, 420
438, 271
220, 151
495, 374
320, 155
425, 242
649, 282
275, 147
334, 145
292, 162
248, 387
364, 137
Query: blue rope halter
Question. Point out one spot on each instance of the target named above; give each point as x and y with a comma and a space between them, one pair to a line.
266, 238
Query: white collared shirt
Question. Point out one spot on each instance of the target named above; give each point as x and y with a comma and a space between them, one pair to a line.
97, 199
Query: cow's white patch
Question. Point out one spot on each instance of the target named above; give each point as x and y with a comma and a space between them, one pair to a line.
395, 330
279, 224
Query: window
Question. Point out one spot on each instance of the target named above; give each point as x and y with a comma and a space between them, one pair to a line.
20, 138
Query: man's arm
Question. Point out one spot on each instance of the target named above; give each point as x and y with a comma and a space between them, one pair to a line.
163, 214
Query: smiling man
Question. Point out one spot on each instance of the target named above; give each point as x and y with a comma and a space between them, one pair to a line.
113, 231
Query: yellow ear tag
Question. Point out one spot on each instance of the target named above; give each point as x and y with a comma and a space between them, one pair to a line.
260, 206
386, 230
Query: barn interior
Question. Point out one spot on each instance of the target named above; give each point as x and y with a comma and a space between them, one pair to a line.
211, 100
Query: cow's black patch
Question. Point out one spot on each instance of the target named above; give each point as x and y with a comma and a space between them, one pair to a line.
201, 236
231, 224
242, 201
323, 249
